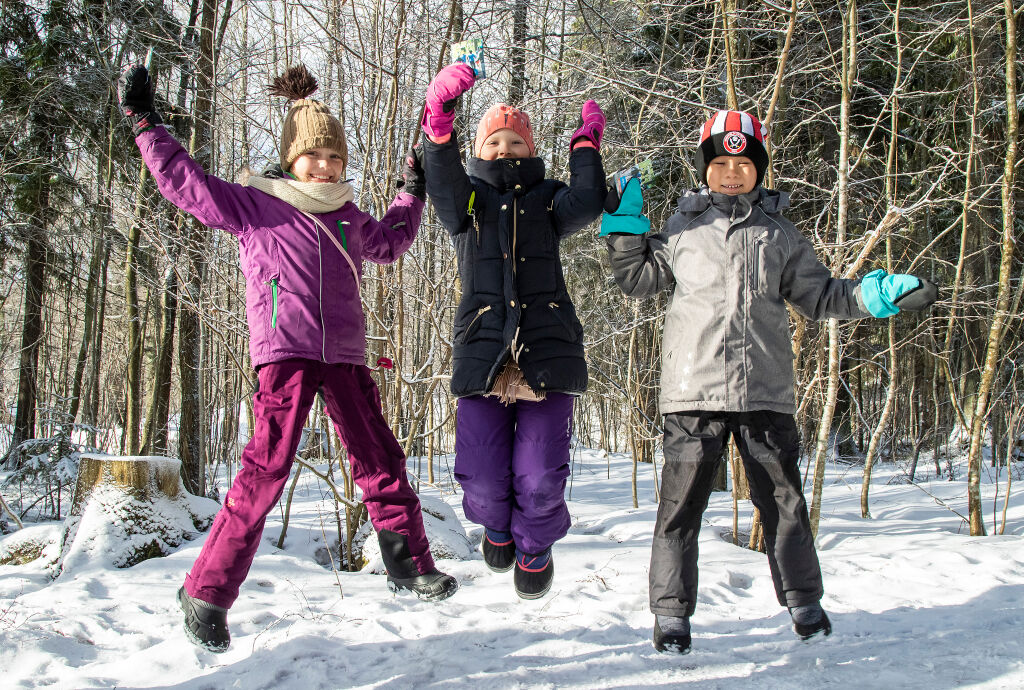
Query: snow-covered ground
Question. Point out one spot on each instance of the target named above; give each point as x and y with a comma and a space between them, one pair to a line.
915, 603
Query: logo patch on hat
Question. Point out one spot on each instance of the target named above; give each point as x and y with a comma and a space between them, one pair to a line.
734, 143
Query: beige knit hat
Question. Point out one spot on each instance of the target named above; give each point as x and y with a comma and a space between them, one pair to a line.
309, 124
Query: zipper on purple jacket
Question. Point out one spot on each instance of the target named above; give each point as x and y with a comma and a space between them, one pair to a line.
273, 294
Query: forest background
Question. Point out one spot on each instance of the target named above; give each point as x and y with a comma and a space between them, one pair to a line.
893, 125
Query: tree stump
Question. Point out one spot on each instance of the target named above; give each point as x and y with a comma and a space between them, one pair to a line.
129, 509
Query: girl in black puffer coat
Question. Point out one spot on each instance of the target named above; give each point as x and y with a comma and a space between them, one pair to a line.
518, 345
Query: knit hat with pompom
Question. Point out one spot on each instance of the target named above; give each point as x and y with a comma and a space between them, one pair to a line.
309, 124
731, 133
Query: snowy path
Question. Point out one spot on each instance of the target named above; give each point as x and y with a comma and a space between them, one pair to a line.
914, 605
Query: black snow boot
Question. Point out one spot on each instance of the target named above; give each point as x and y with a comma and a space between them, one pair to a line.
403, 575
499, 550
206, 625
810, 621
534, 573
672, 634
432, 586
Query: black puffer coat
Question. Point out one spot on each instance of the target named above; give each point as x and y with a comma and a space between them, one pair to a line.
506, 222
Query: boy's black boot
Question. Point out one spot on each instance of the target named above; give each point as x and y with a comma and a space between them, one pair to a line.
499, 550
534, 573
206, 625
810, 621
672, 634
403, 576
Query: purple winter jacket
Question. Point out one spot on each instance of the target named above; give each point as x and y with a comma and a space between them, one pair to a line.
301, 299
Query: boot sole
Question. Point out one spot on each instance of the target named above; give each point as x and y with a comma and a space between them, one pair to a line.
397, 588
816, 635
534, 595
671, 648
192, 637
495, 569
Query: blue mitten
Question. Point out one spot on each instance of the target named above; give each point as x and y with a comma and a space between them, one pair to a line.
884, 295
625, 215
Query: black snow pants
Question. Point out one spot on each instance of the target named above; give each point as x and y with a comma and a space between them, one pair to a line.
770, 448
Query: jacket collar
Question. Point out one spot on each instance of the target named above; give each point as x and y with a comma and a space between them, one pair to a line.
505, 174
770, 201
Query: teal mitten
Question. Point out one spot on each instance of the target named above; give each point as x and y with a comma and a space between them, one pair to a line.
625, 215
885, 295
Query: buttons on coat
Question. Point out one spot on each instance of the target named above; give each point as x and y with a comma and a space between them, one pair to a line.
512, 302
504, 207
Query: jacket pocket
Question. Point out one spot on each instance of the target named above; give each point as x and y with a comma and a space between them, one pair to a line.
274, 289
757, 266
563, 316
474, 325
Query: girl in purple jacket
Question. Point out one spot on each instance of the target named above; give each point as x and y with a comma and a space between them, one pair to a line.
301, 242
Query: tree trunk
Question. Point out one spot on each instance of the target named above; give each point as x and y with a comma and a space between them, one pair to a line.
999, 320
155, 440
133, 320
32, 321
190, 430
849, 71
517, 54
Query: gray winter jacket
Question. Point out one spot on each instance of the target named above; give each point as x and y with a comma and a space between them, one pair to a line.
730, 261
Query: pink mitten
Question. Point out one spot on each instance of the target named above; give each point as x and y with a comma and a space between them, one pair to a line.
448, 85
591, 127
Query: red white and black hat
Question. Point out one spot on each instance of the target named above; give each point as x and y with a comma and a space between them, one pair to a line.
731, 133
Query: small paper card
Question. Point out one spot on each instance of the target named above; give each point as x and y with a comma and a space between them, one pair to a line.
472, 53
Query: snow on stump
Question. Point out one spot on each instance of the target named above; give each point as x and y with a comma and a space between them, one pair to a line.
127, 509
444, 532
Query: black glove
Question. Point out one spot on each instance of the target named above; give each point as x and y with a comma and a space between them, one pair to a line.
414, 180
135, 91
273, 171
918, 299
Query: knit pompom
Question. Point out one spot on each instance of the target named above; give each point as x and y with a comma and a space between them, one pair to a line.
295, 84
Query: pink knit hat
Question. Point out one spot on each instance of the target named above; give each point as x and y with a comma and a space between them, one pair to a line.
503, 116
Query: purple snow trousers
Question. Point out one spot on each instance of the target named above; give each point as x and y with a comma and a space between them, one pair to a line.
512, 462
280, 406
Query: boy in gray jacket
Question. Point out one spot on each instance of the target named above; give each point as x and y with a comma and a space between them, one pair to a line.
732, 261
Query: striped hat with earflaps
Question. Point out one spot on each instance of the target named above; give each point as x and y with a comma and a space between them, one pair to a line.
731, 133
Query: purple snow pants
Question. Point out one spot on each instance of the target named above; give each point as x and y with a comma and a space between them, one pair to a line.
512, 462
280, 407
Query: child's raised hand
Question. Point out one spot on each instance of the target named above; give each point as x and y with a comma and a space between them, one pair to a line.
444, 89
625, 215
414, 180
885, 295
591, 128
135, 96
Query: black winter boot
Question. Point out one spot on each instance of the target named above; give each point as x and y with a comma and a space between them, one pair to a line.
403, 574
810, 621
432, 586
499, 550
534, 573
206, 625
672, 634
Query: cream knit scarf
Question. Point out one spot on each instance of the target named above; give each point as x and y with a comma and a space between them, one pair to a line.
311, 197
